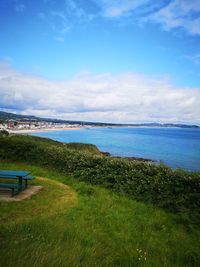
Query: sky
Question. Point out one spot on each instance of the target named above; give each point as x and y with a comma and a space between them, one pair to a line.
127, 61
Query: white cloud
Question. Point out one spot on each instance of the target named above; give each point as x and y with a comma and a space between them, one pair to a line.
61, 21
170, 15
129, 97
179, 14
117, 8
59, 39
174, 14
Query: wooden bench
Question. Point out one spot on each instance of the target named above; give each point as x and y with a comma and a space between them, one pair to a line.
10, 186
28, 178
19, 176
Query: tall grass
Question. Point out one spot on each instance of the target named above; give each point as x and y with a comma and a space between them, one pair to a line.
91, 226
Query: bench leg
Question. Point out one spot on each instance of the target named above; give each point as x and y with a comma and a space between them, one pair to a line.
13, 192
26, 183
20, 184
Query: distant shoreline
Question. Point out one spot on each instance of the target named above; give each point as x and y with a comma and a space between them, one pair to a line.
24, 131
156, 154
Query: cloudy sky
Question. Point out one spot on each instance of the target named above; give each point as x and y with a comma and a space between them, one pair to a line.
101, 60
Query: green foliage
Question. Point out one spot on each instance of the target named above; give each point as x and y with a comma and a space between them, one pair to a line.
157, 184
83, 147
4, 133
91, 226
85, 189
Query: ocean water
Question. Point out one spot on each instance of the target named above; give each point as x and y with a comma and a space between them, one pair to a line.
176, 147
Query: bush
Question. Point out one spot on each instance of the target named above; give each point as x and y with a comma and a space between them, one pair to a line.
85, 189
157, 184
4, 133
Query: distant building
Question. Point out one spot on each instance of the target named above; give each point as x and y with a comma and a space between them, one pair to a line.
10, 124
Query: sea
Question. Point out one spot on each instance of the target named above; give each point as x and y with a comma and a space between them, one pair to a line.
175, 147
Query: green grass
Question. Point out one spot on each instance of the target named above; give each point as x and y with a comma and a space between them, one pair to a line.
84, 225
172, 190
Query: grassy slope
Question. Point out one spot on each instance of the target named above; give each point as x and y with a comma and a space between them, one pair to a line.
93, 227
176, 191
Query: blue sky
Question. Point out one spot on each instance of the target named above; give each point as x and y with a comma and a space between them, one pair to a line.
84, 50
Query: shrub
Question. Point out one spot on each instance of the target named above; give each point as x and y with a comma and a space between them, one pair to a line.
4, 133
85, 189
173, 190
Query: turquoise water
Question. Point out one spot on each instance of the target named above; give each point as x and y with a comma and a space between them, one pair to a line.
176, 147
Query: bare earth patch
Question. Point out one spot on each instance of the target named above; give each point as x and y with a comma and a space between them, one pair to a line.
5, 194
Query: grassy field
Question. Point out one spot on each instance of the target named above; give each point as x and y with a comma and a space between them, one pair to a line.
72, 223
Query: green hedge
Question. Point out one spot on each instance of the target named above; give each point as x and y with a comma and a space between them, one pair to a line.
157, 184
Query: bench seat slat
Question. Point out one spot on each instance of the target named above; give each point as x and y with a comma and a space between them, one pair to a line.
14, 177
9, 186
9, 177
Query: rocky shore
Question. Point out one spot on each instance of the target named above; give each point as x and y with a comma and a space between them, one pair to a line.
107, 154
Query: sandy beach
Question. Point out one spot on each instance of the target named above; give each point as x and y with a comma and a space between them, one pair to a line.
26, 131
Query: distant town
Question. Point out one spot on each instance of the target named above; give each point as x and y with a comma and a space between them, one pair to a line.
33, 125
15, 122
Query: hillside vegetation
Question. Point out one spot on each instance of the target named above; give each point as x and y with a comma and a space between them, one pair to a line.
71, 223
176, 191
97, 211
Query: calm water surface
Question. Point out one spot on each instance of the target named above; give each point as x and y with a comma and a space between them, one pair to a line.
176, 147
